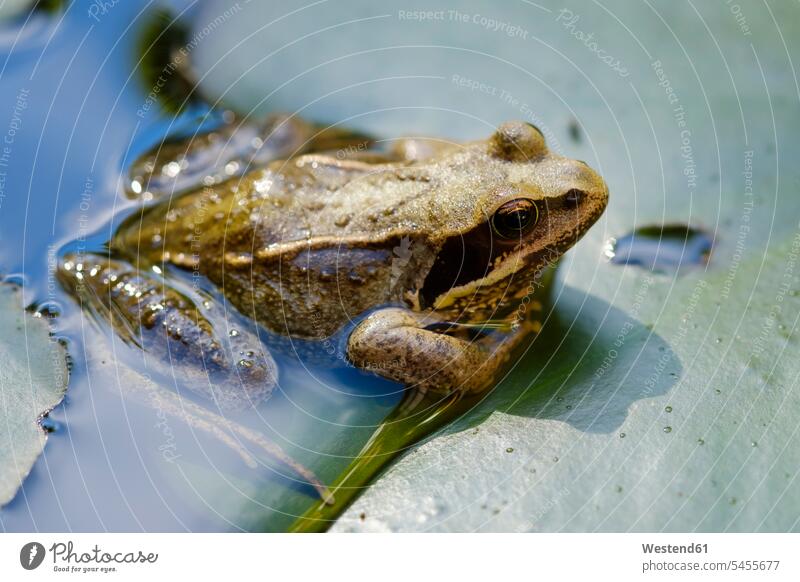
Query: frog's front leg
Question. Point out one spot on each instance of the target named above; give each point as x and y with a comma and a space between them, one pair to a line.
418, 351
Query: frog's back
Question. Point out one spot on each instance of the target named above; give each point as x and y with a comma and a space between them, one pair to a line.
286, 244
304, 245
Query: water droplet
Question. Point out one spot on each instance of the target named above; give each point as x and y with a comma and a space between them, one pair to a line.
245, 363
49, 309
555, 459
718, 340
171, 169
701, 442
327, 274
668, 429
559, 399
233, 333
718, 391
49, 425
355, 278
510, 450
754, 444
668, 409
622, 435
661, 248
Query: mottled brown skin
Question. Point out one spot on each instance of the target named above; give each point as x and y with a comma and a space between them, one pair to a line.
305, 245
178, 165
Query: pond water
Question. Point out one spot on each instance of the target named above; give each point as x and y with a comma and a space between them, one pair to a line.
114, 461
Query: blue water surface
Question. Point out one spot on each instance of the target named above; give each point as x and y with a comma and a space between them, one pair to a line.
68, 115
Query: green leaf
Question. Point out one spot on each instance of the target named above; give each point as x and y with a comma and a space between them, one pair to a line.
690, 425
33, 379
698, 371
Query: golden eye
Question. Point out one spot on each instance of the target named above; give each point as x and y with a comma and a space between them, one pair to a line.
513, 218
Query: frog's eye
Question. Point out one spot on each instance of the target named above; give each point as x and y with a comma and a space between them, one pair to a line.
513, 218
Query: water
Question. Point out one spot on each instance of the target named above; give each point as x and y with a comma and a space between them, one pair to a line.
662, 249
114, 461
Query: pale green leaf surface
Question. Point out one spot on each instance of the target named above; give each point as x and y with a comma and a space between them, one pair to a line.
33, 379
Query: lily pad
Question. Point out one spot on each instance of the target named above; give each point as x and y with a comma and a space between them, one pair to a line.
653, 401
626, 431
33, 380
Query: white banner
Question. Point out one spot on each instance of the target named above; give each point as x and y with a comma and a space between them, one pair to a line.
348, 557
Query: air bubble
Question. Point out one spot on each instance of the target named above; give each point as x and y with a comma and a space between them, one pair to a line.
49, 425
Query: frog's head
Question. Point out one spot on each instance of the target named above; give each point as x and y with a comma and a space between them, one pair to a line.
535, 205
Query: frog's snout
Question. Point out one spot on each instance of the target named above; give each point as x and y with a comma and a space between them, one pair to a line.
517, 141
591, 199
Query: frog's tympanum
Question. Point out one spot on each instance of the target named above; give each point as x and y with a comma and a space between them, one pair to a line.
435, 250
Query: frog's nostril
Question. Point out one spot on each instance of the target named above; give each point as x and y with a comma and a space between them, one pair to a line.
573, 198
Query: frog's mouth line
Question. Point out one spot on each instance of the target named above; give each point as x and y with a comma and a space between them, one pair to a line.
470, 261
480, 259
511, 265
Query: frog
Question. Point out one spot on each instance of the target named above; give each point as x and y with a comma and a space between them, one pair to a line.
175, 165
430, 254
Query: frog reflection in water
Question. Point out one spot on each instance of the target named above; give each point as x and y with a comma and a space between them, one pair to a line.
304, 246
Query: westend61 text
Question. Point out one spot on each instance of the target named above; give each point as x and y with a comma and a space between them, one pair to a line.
670, 549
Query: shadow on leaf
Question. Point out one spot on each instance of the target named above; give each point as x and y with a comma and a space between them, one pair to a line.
588, 366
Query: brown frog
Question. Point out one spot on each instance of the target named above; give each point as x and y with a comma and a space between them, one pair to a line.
441, 245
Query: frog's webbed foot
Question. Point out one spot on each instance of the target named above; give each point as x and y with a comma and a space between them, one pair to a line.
425, 354
230, 368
